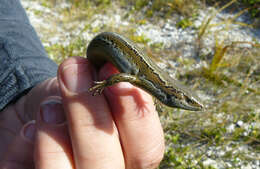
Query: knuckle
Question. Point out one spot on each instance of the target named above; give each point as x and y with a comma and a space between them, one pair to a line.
149, 160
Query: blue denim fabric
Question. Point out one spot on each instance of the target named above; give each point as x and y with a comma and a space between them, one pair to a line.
23, 60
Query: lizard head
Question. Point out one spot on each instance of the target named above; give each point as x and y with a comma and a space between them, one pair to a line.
183, 100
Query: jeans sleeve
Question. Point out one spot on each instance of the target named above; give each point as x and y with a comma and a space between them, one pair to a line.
23, 60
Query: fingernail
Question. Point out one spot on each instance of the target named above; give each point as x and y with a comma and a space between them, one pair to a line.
28, 131
51, 111
74, 77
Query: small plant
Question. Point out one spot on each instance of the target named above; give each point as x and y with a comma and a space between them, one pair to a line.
220, 50
140, 39
206, 22
184, 23
254, 7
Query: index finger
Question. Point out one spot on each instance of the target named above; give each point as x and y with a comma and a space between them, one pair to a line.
94, 137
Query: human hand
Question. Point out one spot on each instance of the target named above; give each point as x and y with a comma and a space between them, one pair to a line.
118, 130
16, 143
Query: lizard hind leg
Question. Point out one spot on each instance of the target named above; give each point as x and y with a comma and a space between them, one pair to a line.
98, 87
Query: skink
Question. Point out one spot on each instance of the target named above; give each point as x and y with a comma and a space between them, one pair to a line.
137, 68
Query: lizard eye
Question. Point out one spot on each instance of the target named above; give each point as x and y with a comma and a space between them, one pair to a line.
189, 101
193, 102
